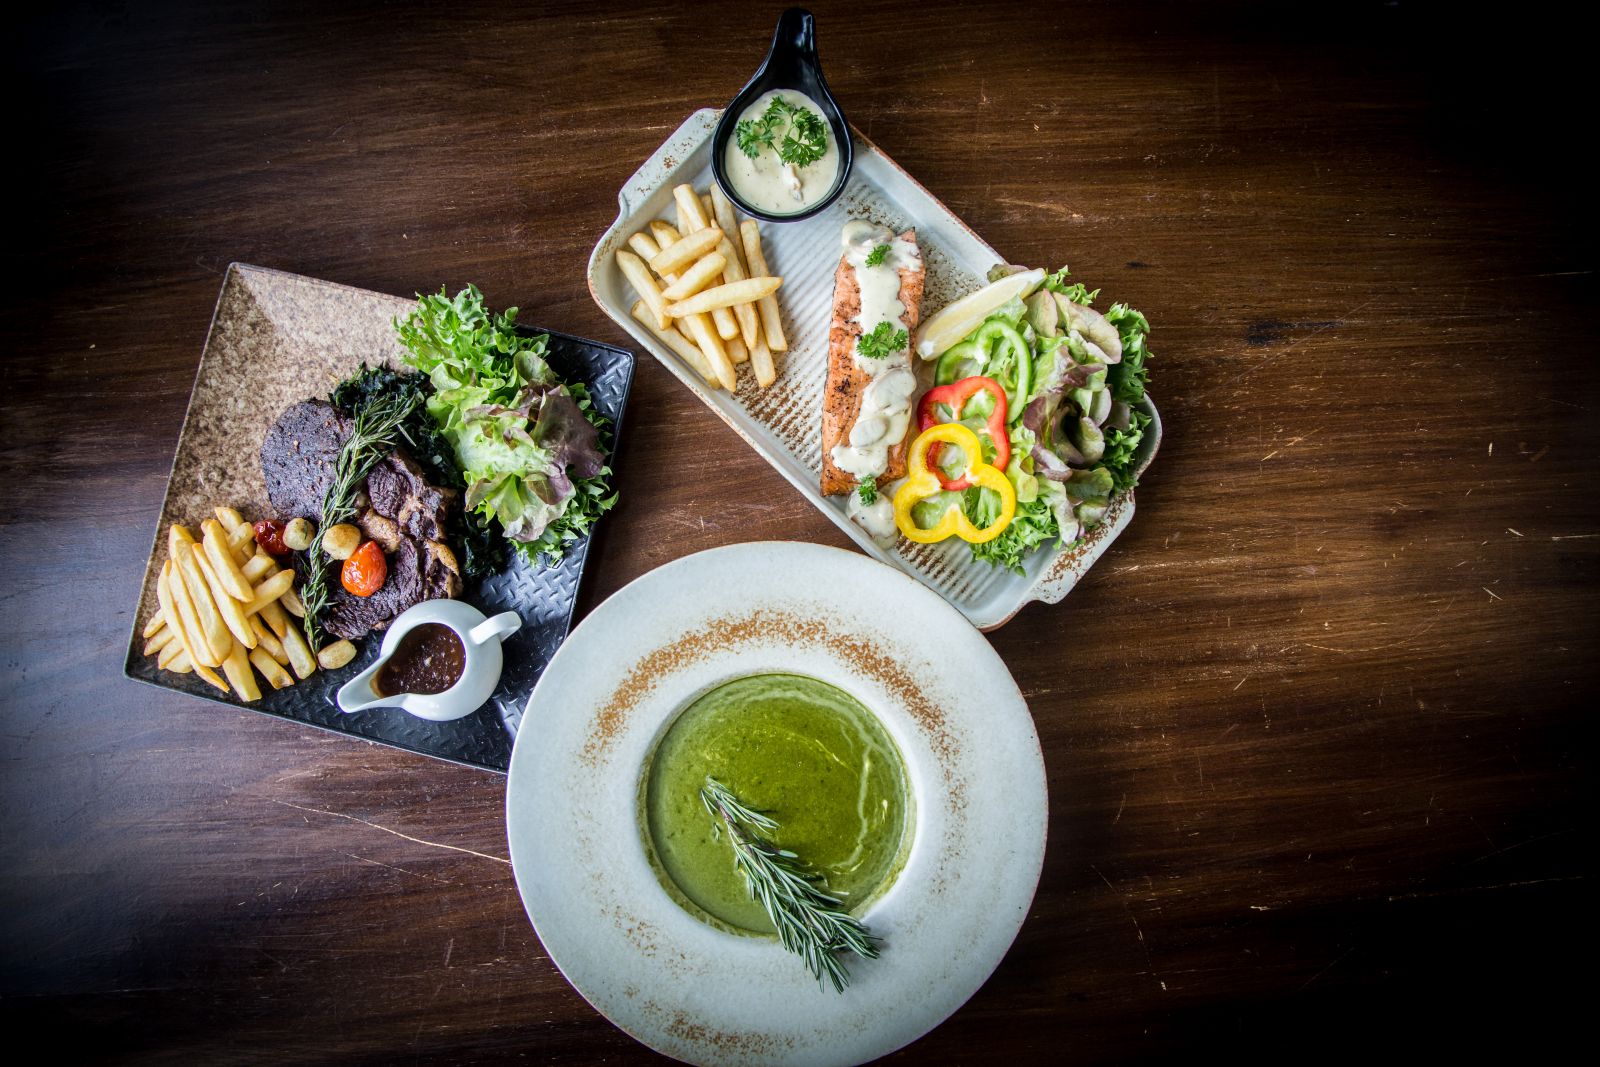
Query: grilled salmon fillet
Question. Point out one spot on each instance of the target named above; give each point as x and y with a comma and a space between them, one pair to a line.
841, 399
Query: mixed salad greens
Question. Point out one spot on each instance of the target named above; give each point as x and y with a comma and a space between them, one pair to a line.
1050, 386
529, 447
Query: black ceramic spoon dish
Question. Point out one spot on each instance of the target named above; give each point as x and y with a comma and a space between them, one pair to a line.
791, 63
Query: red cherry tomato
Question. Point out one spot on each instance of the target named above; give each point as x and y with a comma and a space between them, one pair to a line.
269, 535
364, 572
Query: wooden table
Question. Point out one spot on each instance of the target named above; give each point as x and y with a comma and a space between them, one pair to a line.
1315, 725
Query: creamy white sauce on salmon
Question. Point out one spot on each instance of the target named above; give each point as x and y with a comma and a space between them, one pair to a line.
767, 182
876, 518
886, 401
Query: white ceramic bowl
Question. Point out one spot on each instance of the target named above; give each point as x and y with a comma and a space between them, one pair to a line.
480, 641
973, 766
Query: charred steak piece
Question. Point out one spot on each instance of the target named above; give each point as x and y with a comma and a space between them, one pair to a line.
299, 457
407, 515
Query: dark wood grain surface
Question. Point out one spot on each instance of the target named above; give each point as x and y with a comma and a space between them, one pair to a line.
1317, 726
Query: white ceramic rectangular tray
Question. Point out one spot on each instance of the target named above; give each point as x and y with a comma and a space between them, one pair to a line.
784, 422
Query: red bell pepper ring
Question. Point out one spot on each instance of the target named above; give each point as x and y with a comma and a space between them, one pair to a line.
955, 397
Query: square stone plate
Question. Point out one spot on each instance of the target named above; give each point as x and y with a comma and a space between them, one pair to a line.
278, 338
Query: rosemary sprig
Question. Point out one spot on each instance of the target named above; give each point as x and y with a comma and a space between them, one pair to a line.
372, 437
810, 921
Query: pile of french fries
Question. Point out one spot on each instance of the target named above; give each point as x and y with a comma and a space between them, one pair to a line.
226, 603
709, 299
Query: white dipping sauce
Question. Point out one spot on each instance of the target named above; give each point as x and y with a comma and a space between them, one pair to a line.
876, 518
767, 182
886, 401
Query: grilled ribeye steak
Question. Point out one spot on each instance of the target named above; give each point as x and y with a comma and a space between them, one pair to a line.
406, 515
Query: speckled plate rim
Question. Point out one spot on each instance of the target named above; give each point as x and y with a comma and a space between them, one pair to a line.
973, 761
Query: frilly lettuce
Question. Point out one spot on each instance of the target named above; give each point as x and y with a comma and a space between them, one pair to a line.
528, 444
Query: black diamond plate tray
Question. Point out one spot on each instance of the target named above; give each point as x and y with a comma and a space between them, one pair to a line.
277, 338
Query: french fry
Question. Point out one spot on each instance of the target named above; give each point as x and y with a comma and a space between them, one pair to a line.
269, 591
686, 250
213, 631
179, 664
177, 535
259, 566
333, 656
237, 668
708, 208
183, 627
162, 638
707, 269
229, 518
220, 553
738, 352
710, 344
665, 233
680, 345
157, 621
691, 213
771, 323
229, 608
169, 652
268, 641
241, 541
275, 675
639, 277
761, 363
737, 294
723, 215
292, 603
276, 618
749, 323
301, 661
644, 246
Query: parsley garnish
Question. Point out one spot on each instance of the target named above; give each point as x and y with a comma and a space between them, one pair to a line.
804, 134
868, 492
883, 341
877, 255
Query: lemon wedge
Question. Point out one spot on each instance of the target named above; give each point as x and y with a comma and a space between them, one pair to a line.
952, 323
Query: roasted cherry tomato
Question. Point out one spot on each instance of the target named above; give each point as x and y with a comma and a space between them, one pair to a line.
269, 535
364, 572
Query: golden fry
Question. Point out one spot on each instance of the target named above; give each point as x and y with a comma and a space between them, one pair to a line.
259, 566
157, 621
639, 277
761, 363
680, 345
749, 323
241, 541
706, 270
691, 213
229, 518
710, 345
220, 553
723, 214
729, 294
771, 323
275, 675
299, 652
243, 680
738, 352
230, 609
269, 591
665, 233
292, 604
179, 664
686, 250
267, 640
169, 652
175, 536
183, 628
163, 638
275, 617
188, 584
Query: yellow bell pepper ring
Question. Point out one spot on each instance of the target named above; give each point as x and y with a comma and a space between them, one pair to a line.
921, 483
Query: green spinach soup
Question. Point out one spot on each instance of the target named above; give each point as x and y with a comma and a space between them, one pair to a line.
804, 753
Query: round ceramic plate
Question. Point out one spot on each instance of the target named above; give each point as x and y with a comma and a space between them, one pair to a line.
972, 762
